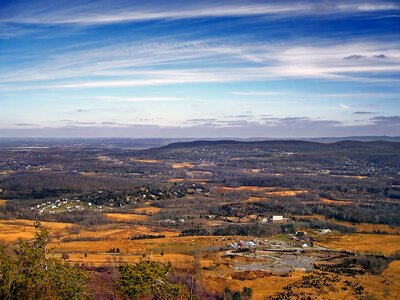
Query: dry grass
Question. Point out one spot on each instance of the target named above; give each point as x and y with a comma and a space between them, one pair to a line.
125, 217
335, 202
288, 193
147, 161
350, 176
262, 286
199, 174
266, 191
364, 243
178, 250
12, 230
182, 165
255, 199
385, 285
149, 210
202, 181
91, 245
93, 174
225, 189
361, 227
7, 172
177, 180
365, 227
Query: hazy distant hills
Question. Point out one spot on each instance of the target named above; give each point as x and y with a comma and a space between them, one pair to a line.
159, 142
368, 154
289, 145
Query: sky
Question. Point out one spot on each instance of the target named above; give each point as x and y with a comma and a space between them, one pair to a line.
198, 69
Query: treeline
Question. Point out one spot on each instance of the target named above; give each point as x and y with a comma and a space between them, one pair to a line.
375, 212
318, 224
147, 236
256, 229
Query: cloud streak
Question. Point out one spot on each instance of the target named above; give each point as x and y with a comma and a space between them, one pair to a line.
139, 99
106, 12
293, 127
166, 63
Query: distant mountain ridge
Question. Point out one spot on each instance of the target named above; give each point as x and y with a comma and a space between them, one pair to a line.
278, 143
147, 143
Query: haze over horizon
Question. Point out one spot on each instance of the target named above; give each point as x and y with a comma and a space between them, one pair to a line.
239, 69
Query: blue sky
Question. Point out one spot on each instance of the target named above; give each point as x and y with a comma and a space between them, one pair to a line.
199, 68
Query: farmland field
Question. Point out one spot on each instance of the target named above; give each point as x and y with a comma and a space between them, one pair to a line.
373, 243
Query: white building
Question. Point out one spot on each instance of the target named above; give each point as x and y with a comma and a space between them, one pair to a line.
277, 218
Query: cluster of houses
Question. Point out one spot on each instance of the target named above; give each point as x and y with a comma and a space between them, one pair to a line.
243, 244
59, 205
174, 222
302, 238
251, 218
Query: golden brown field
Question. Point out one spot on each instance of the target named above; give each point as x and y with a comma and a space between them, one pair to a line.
288, 193
361, 227
91, 246
335, 202
148, 161
385, 285
177, 180
225, 189
12, 230
263, 284
199, 174
125, 217
149, 210
182, 165
368, 243
202, 181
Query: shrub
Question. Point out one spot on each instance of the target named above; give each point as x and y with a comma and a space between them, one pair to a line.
29, 274
149, 279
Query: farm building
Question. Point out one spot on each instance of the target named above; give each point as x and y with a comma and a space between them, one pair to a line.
277, 218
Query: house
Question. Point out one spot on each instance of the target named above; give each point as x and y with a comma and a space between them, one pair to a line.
277, 218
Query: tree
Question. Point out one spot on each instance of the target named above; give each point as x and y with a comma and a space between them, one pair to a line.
247, 292
29, 274
149, 279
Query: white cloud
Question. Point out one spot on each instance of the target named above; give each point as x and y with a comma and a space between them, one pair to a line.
261, 94
104, 12
139, 99
160, 63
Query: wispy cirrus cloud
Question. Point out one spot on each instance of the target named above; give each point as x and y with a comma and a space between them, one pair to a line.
139, 99
87, 13
364, 113
386, 120
288, 127
319, 95
266, 122
25, 124
202, 61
